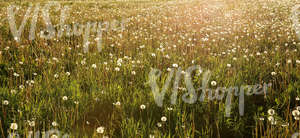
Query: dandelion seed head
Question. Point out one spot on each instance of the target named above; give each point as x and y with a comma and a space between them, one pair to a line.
296, 113
213, 83
54, 124
142, 106
65, 98
14, 126
271, 112
164, 119
100, 130
5, 102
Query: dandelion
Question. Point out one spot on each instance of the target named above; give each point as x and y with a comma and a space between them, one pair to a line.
54, 124
271, 118
200, 71
182, 72
117, 69
55, 59
133, 72
167, 56
258, 53
31, 123
296, 113
271, 112
285, 124
143, 106
5, 102
213, 83
261, 119
100, 130
169, 108
175, 65
117, 103
273, 73
83, 62
68, 73
54, 136
14, 126
21, 87
65, 98
164, 119
16, 74
13, 91
159, 124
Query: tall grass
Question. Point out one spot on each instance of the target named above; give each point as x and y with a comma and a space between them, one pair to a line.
241, 42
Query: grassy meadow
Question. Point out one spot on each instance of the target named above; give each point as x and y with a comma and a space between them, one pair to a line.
53, 84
